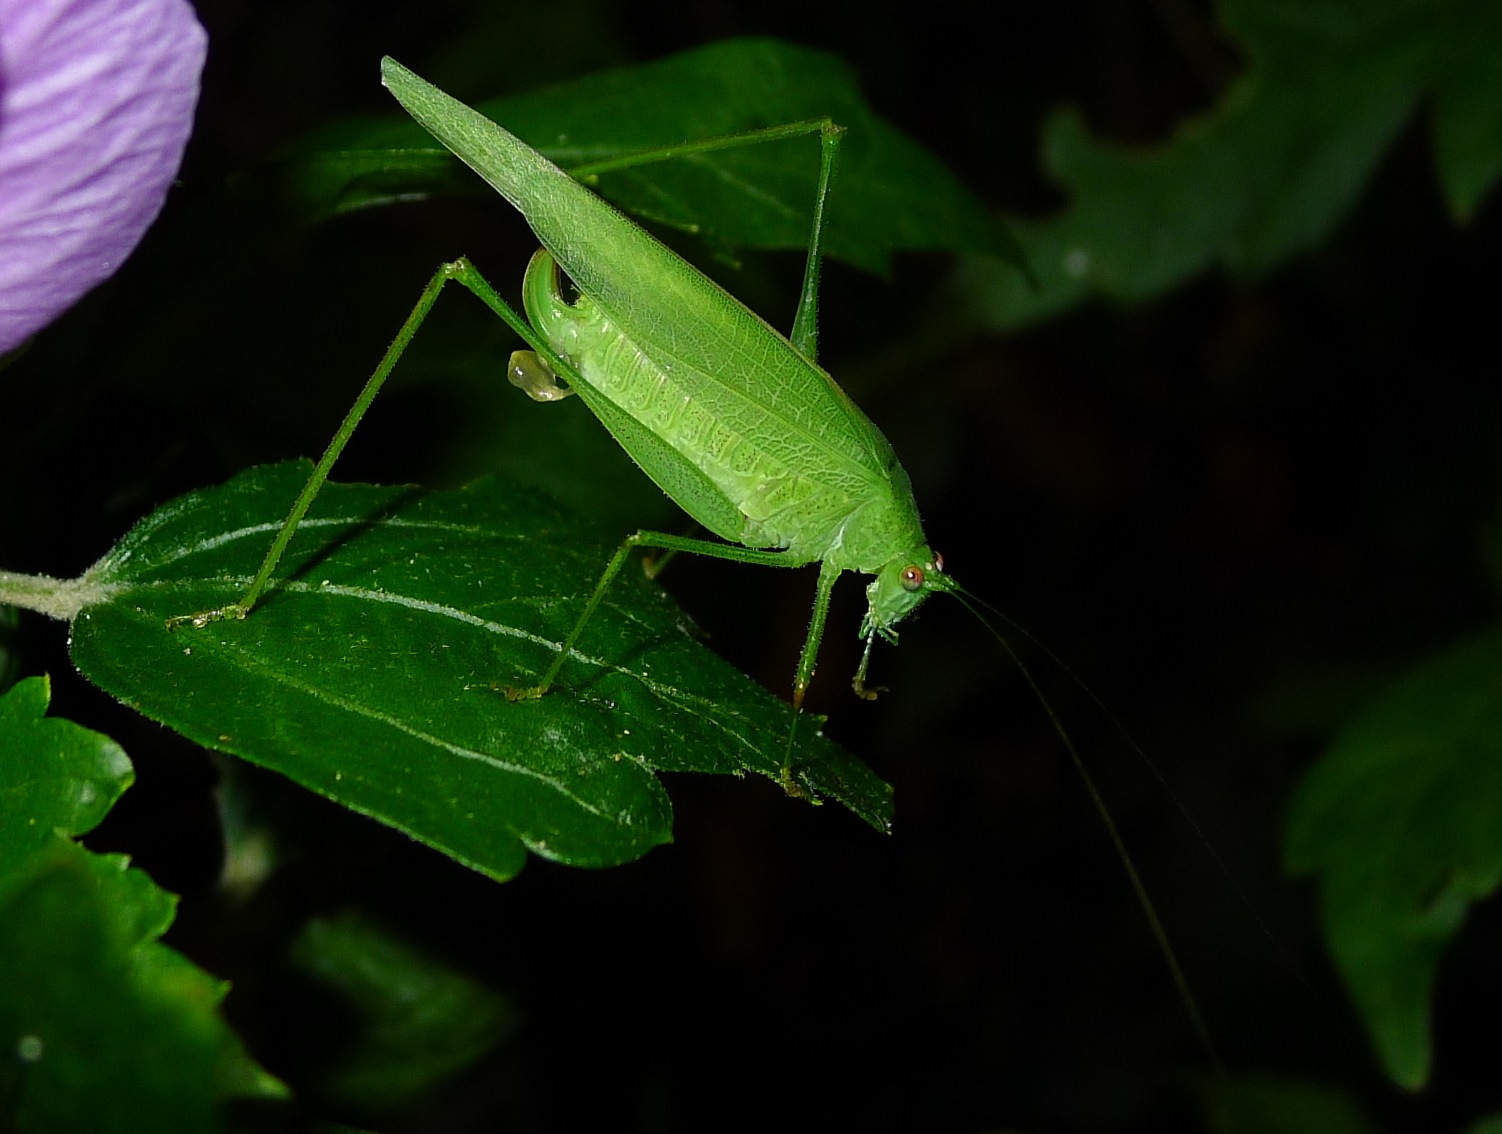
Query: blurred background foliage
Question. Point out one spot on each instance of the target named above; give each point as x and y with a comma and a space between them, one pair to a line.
1234, 461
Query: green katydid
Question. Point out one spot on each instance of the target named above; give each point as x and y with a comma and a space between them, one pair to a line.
734, 421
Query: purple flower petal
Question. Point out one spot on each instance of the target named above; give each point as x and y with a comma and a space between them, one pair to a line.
96, 104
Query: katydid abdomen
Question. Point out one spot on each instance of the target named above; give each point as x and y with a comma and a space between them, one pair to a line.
825, 508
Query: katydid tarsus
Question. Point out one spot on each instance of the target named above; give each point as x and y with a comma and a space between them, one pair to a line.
735, 422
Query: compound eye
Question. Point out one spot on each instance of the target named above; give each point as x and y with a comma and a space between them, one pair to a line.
912, 578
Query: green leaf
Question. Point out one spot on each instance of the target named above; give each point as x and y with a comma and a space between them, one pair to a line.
59, 778
1468, 109
1278, 1104
107, 1030
1275, 166
1402, 822
85, 979
418, 1020
370, 673
10, 662
890, 194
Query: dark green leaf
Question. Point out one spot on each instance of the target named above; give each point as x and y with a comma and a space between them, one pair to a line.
1275, 166
1402, 822
364, 163
1468, 108
419, 1020
890, 194
85, 983
85, 978
57, 778
371, 672
1272, 1104
10, 663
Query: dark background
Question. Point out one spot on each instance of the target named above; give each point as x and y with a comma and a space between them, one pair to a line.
1231, 512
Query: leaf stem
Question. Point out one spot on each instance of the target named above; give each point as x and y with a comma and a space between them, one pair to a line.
56, 598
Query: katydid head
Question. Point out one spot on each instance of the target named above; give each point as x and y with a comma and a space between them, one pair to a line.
898, 588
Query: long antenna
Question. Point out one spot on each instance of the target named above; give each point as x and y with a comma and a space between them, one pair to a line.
1150, 911
1228, 876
